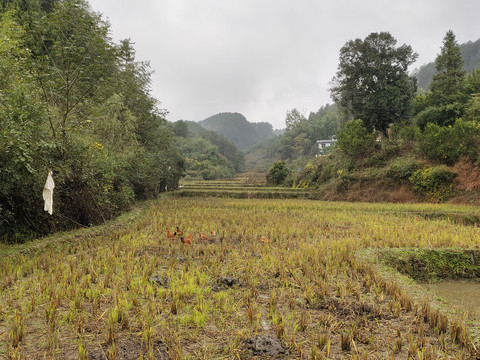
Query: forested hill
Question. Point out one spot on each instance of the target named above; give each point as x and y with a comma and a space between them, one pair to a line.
471, 57
236, 128
208, 155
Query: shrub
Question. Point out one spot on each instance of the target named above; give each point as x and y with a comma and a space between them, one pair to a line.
277, 173
403, 133
440, 115
402, 169
332, 166
447, 144
431, 115
383, 153
433, 182
466, 134
344, 181
355, 141
306, 177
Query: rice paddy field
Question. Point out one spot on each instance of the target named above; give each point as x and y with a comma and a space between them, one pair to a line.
238, 279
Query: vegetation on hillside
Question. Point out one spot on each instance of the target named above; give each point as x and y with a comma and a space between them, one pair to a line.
197, 277
471, 58
236, 128
424, 152
372, 82
76, 103
208, 155
298, 142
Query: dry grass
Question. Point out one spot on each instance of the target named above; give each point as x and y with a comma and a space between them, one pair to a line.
134, 293
468, 175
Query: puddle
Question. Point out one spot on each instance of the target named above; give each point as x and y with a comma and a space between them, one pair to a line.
464, 295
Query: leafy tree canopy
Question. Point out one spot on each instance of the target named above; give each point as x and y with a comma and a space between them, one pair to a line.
356, 141
74, 102
301, 134
450, 89
219, 155
471, 57
372, 82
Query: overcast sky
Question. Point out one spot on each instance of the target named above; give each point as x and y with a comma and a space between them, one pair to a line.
264, 57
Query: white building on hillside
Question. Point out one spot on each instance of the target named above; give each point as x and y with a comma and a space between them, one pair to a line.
323, 145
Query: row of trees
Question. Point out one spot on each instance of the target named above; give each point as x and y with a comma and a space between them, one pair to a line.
373, 84
74, 102
298, 142
443, 122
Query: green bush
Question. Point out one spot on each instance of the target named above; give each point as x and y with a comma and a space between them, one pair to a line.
402, 169
277, 173
441, 115
403, 133
306, 177
447, 144
204, 160
431, 115
383, 153
355, 141
433, 182
344, 181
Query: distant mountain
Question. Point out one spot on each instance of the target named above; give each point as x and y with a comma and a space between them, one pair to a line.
236, 128
471, 57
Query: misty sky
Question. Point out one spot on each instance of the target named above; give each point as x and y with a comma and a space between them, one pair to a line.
264, 57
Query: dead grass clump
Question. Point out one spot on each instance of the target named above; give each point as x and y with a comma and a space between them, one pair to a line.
468, 175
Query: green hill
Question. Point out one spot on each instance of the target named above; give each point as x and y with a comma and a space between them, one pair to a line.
208, 154
236, 128
471, 57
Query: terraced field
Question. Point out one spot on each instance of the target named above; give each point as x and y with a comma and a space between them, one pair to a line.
241, 188
238, 279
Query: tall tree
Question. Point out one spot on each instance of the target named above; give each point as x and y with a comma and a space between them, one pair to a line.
79, 58
448, 81
372, 82
294, 118
447, 98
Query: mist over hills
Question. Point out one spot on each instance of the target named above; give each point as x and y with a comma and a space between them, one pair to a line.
236, 128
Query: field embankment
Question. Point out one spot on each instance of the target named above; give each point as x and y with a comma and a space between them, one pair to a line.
241, 188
